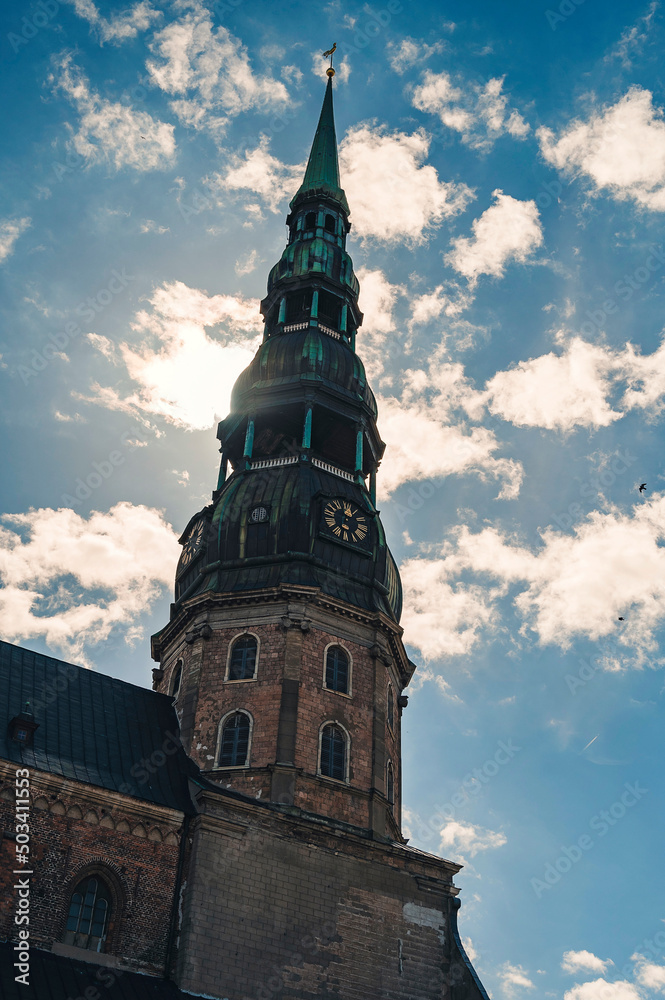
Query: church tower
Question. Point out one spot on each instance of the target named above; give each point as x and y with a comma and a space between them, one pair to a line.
285, 660
284, 649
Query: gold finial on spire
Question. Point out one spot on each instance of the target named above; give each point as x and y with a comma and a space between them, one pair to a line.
330, 71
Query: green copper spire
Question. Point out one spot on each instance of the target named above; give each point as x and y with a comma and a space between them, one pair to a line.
322, 174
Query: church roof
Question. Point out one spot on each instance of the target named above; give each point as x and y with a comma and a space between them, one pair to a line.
53, 977
322, 173
92, 728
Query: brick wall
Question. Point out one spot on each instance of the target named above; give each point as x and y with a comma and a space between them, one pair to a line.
278, 908
70, 830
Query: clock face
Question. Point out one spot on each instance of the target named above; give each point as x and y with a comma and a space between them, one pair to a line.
346, 521
192, 545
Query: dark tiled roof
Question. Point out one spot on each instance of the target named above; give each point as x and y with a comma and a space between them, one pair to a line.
93, 728
53, 977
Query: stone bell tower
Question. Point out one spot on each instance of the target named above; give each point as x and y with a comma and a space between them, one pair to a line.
284, 656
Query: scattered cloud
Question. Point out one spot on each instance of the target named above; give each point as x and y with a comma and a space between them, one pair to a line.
513, 980
601, 989
620, 149
120, 27
509, 231
478, 112
342, 69
175, 369
634, 38
583, 961
649, 974
110, 132
461, 840
247, 264
10, 230
410, 53
394, 194
207, 72
150, 226
262, 174
73, 581
569, 587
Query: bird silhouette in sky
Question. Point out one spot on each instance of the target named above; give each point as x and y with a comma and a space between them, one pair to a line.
643, 487
621, 619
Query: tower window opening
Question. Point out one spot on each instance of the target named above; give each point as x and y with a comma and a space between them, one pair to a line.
329, 224
234, 744
337, 670
176, 680
242, 663
258, 514
88, 915
390, 707
334, 752
390, 784
310, 220
298, 306
329, 309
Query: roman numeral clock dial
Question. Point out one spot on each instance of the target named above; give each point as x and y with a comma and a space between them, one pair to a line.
346, 521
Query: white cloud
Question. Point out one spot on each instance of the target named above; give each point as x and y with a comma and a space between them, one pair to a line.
10, 230
509, 231
571, 586
584, 961
247, 264
261, 173
559, 392
634, 38
120, 27
478, 112
393, 194
514, 979
73, 582
410, 53
600, 989
342, 69
150, 226
466, 840
208, 73
111, 132
179, 372
649, 974
621, 149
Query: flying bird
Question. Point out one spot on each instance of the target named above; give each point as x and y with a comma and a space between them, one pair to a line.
621, 619
643, 486
330, 51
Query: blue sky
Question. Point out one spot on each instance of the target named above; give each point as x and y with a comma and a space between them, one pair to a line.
505, 167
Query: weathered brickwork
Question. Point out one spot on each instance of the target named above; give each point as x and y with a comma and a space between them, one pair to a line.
74, 833
293, 650
277, 908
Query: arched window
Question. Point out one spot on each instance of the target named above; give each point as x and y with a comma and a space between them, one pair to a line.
329, 224
310, 220
337, 669
242, 661
390, 707
176, 680
334, 752
234, 742
88, 916
390, 783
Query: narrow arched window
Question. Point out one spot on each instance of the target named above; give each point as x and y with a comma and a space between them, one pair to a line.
334, 751
329, 224
234, 744
390, 707
88, 916
390, 783
310, 220
242, 663
337, 669
176, 680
